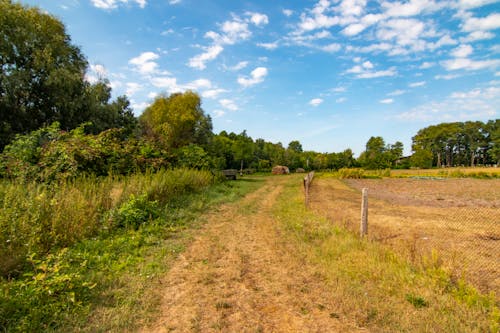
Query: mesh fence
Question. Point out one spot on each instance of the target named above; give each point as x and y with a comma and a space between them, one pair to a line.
451, 223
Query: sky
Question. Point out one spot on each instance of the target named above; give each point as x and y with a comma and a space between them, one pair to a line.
330, 74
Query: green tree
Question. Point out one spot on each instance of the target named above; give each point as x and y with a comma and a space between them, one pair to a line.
42, 73
177, 120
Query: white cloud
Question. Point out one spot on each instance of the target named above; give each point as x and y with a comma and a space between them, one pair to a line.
459, 106
213, 93
218, 113
174, 2
427, 65
315, 102
490, 22
333, 47
238, 66
258, 19
468, 4
353, 29
287, 12
478, 35
417, 84
144, 63
370, 75
463, 51
167, 83
339, 89
256, 76
467, 64
96, 73
198, 84
112, 4
132, 88
268, 46
341, 100
228, 104
396, 92
387, 101
411, 8
199, 60
446, 77
152, 95
167, 32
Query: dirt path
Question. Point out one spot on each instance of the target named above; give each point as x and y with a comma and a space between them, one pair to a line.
240, 276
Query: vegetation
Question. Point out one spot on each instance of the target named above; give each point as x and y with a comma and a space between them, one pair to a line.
378, 287
69, 244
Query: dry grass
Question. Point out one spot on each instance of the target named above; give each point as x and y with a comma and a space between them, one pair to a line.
458, 218
447, 171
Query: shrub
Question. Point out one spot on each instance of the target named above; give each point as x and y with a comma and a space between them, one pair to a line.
345, 173
136, 211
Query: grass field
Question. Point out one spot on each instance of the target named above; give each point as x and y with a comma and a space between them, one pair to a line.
455, 221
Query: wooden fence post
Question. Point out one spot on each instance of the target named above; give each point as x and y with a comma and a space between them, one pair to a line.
307, 182
364, 213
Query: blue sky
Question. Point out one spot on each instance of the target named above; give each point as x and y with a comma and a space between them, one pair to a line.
327, 73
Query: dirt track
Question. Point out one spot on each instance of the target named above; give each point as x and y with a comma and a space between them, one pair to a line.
240, 276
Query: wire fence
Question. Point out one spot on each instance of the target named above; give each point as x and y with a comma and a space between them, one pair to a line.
449, 223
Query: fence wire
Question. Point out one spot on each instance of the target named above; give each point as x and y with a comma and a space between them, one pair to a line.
453, 223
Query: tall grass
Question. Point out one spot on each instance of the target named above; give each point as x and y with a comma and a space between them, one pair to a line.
36, 218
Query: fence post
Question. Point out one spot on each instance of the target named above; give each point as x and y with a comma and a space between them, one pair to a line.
364, 213
307, 182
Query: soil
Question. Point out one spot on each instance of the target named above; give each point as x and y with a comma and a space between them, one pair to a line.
239, 275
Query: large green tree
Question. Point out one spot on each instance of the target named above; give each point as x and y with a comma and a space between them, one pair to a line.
42, 72
177, 120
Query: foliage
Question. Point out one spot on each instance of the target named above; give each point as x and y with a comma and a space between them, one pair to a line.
42, 78
177, 120
49, 154
193, 157
135, 211
100, 282
345, 173
379, 156
459, 143
36, 218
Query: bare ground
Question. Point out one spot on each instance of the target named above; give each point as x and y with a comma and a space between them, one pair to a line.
239, 275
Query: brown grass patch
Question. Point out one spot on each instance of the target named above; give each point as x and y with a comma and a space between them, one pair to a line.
458, 218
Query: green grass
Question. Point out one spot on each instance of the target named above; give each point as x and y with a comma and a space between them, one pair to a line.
105, 278
378, 288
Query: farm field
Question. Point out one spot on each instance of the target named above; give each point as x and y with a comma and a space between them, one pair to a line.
457, 218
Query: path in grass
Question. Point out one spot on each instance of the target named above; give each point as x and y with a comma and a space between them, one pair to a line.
240, 276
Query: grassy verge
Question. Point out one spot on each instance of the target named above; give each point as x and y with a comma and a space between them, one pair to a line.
376, 286
104, 279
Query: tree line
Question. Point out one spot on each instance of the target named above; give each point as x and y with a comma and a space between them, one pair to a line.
55, 124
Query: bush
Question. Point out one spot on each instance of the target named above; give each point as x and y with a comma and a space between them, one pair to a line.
136, 211
345, 173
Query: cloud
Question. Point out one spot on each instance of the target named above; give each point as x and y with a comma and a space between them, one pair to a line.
199, 60
490, 22
268, 46
132, 88
238, 66
228, 104
479, 103
410, 8
386, 101
144, 63
287, 12
112, 4
258, 19
315, 102
463, 51
417, 84
364, 71
396, 92
96, 73
213, 93
467, 64
331, 48
427, 65
469, 4
256, 76
446, 77
341, 100
218, 113
167, 83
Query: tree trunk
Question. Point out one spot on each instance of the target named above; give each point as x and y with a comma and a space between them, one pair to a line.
438, 159
472, 159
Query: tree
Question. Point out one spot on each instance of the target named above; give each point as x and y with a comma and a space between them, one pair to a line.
42, 73
177, 120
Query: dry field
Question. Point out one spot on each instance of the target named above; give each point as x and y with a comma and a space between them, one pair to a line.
457, 219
